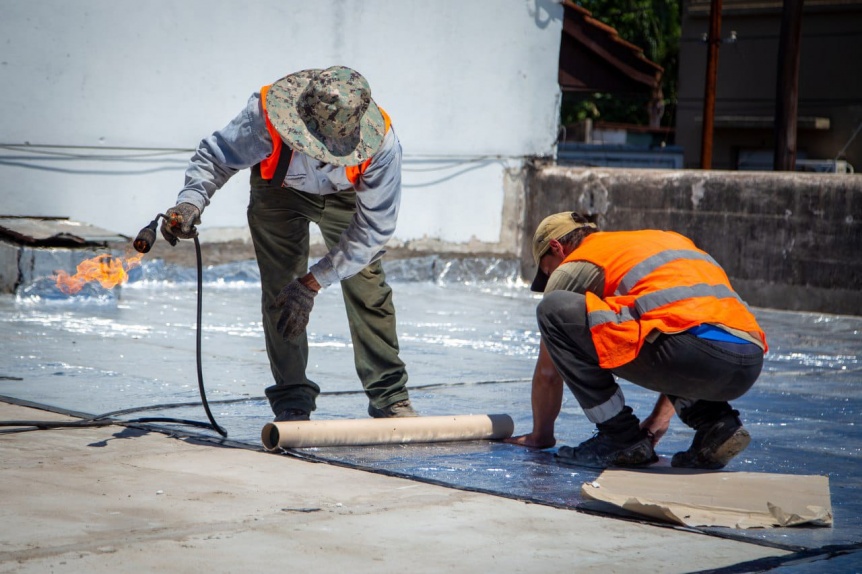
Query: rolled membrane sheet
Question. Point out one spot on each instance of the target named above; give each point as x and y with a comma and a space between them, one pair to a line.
300, 434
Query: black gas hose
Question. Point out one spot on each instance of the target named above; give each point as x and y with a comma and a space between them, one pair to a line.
143, 243
203, 393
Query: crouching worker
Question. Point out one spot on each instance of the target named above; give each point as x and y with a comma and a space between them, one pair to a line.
320, 150
651, 308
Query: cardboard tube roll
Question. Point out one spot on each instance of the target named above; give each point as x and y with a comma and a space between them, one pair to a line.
300, 434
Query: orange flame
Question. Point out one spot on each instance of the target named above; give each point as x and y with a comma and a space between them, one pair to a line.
108, 270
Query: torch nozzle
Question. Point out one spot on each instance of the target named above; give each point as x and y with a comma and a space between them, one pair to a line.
146, 237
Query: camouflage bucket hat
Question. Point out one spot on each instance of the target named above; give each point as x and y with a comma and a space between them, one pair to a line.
327, 114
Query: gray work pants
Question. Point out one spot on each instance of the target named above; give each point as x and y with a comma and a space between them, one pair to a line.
278, 219
690, 370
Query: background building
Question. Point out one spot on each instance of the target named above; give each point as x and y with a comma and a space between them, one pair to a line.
829, 92
103, 102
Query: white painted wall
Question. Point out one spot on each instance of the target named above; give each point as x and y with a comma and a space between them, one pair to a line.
471, 86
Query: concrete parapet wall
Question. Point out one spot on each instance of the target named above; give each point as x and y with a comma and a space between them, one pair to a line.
787, 240
22, 265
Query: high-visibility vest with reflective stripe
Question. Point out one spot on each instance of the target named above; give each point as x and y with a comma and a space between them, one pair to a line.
269, 165
655, 280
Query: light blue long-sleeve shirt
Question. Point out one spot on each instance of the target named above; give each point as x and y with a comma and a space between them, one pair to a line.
245, 142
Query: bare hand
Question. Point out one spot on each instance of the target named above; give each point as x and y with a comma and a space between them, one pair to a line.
656, 427
532, 441
659, 419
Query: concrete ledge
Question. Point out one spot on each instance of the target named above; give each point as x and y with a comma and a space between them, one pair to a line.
21, 265
8, 267
792, 240
836, 301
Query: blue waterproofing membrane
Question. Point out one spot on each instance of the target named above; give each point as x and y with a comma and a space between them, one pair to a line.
470, 344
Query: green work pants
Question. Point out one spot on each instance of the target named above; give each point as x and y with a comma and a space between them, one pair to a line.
278, 219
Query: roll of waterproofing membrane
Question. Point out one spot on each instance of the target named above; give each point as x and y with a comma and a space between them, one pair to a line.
364, 432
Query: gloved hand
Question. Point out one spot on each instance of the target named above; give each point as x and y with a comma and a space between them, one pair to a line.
295, 301
181, 222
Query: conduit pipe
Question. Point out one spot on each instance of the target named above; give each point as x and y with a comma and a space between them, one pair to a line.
301, 434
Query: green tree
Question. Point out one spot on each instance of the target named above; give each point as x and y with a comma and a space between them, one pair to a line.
652, 25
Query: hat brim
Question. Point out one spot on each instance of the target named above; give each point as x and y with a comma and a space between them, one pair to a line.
540, 281
281, 100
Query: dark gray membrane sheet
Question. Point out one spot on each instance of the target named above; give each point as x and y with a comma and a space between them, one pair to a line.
470, 345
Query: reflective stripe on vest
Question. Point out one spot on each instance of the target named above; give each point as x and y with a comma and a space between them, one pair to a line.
646, 303
268, 166
654, 280
650, 264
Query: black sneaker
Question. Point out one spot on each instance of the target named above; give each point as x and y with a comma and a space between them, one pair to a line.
395, 410
714, 446
602, 451
288, 415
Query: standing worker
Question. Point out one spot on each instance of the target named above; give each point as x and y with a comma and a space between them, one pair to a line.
320, 150
650, 307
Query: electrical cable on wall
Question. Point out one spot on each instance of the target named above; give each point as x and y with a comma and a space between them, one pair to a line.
154, 155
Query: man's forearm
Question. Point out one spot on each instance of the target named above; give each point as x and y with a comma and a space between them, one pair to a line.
546, 396
663, 409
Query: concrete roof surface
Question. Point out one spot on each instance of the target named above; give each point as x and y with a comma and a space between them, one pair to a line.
114, 499
186, 501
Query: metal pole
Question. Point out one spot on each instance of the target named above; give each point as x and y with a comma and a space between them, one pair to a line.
787, 87
713, 41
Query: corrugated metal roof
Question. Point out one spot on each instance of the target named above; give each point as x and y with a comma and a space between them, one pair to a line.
54, 232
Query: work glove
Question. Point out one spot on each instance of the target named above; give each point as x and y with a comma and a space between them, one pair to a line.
180, 222
295, 302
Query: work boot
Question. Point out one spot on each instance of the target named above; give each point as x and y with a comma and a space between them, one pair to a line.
288, 415
603, 451
395, 410
714, 444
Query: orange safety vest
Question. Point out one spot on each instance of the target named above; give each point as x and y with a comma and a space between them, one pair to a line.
269, 165
655, 280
